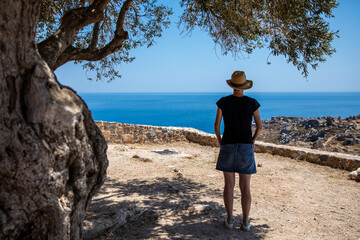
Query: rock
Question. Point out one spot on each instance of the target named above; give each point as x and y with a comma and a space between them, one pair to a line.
109, 127
312, 123
120, 130
285, 130
318, 144
127, 138
145, 160
329, 121
355, 175
142, 139
179, 173
347, 138
122, 148
151, 134
348, 142
286, 138
204, 209
142, 159
316, 136
343, 137
127, 129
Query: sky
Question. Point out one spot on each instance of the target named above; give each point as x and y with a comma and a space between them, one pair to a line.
192, 63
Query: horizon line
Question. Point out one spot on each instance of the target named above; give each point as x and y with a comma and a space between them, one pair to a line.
231, 92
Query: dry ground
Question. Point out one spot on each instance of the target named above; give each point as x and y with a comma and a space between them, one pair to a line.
292, 199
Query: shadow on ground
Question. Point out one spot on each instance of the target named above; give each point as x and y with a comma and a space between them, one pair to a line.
171, 209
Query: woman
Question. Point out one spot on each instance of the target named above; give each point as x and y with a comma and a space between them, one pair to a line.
237, 144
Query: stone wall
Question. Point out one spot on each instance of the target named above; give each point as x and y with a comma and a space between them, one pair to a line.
145, 134
336, 160
121, 133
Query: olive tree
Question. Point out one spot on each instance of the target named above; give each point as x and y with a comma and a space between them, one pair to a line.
52, 155
101, 40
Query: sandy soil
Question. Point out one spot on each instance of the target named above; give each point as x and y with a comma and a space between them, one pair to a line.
292, 199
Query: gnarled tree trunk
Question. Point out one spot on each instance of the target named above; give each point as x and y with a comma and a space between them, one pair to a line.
52, 155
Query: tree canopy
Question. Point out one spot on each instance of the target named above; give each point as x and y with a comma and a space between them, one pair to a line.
101, 33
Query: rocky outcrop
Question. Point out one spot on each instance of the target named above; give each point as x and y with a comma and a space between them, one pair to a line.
325, 133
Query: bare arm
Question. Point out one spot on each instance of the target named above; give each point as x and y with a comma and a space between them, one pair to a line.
217, 125
258, 125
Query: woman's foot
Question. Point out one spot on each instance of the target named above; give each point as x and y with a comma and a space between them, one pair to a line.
229, 224
245, 226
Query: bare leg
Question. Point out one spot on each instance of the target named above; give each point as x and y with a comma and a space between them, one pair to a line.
244, 182
229, 178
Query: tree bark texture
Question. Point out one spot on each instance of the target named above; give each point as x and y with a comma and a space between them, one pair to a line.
52, 155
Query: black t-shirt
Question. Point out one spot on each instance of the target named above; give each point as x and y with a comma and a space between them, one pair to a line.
237, 113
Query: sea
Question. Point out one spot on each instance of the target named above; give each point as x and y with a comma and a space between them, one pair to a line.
198, 110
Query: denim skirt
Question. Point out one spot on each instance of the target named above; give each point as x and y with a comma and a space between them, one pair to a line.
237, 158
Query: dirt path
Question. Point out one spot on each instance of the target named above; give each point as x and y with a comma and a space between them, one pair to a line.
291, 199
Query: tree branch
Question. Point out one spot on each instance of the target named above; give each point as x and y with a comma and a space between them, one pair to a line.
71, 53
91, 53
121, 18
95, 36
82, 3
52, 47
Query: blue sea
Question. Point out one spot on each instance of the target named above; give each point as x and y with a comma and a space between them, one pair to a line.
198, 110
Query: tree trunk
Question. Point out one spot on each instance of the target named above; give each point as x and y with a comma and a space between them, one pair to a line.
52, 155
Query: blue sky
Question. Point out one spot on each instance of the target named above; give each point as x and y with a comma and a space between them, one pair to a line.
182, 63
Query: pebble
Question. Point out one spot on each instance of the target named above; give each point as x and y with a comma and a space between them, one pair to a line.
355, 175
179, 173
122, 148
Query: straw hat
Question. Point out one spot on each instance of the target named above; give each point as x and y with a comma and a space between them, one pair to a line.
238, 81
